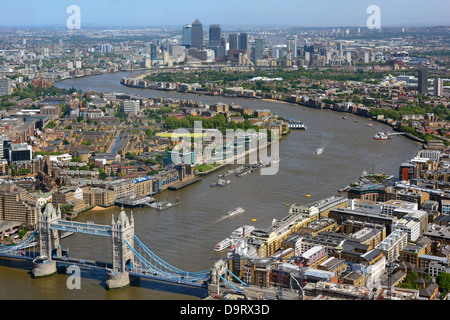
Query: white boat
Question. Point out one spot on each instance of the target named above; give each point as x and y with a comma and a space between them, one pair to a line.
223, 182
241, 232
235, 211
222, 244
318, 151
381, 136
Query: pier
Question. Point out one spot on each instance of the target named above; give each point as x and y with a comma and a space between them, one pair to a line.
182, 184
135, 201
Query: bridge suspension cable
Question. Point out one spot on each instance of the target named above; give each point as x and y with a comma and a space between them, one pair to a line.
20, 245
164, 263
156, 265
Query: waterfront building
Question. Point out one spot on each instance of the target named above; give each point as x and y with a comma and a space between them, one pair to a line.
121, 187
99, 197
342, 214
18, 205
367, 192
72, 196
319, 208
144, 186
407, 171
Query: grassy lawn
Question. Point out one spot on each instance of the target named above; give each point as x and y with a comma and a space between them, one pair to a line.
206, 167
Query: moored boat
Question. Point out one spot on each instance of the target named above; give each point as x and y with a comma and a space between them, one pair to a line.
223, 182
225, 243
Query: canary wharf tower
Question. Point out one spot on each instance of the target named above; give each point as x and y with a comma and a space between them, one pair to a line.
197, 35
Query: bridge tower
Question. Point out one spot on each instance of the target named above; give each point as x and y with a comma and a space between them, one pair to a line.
218, 272
49, 242
122, 236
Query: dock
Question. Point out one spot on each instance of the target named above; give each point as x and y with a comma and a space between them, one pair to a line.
162, 205
135, 201
182, 184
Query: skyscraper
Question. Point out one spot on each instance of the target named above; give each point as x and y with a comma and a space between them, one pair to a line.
214, 38
438, 86
197, 35
214, 35
258, 51
291, 46
153, 51
187, 35
423, 80
233, 40
243, 41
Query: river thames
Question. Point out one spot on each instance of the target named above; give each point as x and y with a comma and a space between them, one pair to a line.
185, 235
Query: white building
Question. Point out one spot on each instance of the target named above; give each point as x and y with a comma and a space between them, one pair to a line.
131, 106
410, 227
391, 205
435, 268
375, 271
445, 206
438, 87
434, 155
365, 206
393, 245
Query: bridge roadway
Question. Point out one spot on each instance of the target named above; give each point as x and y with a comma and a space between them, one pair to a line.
101, 266
82, 227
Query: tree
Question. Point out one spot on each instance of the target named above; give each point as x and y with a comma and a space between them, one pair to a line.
443, 280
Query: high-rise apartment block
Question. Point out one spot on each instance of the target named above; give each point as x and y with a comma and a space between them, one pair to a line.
438, 87
423, 80
5, 86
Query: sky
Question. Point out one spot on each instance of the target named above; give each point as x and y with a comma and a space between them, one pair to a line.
149, 13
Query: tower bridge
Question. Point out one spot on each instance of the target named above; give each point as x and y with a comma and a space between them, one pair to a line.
130, 257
